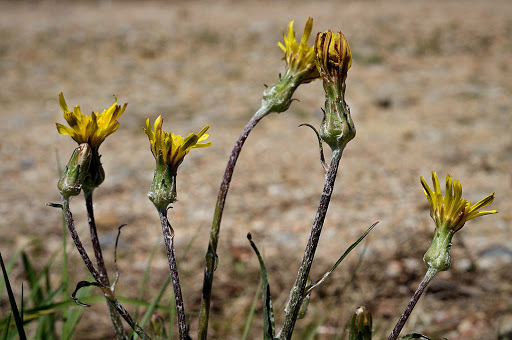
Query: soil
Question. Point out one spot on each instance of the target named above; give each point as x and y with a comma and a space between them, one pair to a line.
429, 89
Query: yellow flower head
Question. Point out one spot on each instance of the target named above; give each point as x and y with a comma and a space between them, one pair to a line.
300, 58
173, 148
333, 56
452, 211
91, 129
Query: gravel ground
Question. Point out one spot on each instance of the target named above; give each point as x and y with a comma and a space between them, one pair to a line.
429, 89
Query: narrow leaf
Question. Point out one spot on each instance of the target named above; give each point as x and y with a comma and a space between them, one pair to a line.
80, 285
11, 263
250, 317
317, 283
5, 333
12, 300
268, 310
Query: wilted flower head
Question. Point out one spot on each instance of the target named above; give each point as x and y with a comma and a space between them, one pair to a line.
300, 58
333, 57
91, 129
173, 148
452, 210
449, 212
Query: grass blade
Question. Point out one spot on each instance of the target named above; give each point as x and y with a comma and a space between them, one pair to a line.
250, 317
12, 300
268, 310
5, 333
317, 283
11, 263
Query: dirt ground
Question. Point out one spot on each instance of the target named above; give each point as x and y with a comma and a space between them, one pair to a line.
430, 89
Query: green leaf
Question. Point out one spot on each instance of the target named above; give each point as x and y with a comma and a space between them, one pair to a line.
317, 283
337, 298
12, 300
36, 281
268, 310
11, 263
5, 333
250, 317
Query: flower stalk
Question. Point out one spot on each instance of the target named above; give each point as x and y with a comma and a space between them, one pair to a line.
333, 59
431, 272
169, 151
112, 301
300, 69
102, 270
70, 184
299, 287
449, 213
168, 234
92, 131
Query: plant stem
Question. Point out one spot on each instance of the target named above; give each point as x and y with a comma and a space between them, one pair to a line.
211, 254
169, 247
79, 246
114, 315
109, 294
297, 292
122, 311
94, 237
431, 272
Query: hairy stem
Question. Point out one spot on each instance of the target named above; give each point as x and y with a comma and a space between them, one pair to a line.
79, 246
124, 313
431, 272
94, 237
114, 315
109, 295
211, 254
298, 289
169, 247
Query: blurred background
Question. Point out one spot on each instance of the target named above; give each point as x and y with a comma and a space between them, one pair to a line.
429, 89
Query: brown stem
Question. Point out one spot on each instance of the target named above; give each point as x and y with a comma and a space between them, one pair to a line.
171, 257
299, 287
124, 313
112, 302
94, 237
79, 246
114, 315
211, 254
408, 310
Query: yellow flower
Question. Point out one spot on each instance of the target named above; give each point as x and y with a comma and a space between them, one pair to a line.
300, 58
173, 148
91, 129
452, 211
333, 56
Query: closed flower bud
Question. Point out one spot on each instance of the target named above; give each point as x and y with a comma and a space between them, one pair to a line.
360, 327
333, 59
71, 180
